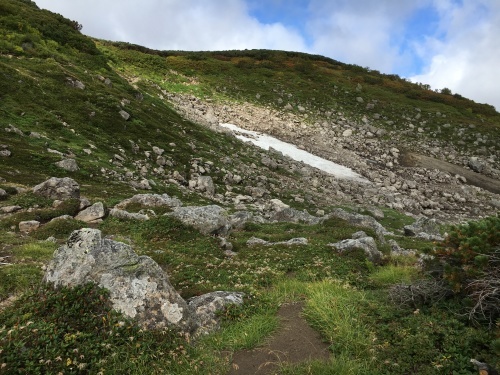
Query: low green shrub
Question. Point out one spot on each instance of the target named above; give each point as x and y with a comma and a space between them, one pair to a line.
469, 260
76, 331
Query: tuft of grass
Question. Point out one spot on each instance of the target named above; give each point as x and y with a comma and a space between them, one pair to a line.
333, 307
393, 274
36, 251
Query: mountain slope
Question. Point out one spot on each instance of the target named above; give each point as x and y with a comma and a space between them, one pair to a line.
121, 119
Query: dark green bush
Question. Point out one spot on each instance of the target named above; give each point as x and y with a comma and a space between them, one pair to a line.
469, 260
64, 330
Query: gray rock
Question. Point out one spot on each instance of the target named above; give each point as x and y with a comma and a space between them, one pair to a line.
5, 153
58, 188
206, 306
366, 243
210, 220
277, 205
68, 165
254, 241
92, 214
291, 215
84, 203
3, 194
225, 244
476, 165
122, 214
206, 184
268, 162
347, 133
396, 250
29, 226
138, 287
10, 209
150, 200
359, 235
13, 129
422, 225
239, 219
142, 185
125, 115
359, 220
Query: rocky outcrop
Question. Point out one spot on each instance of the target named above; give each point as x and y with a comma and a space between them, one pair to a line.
29, 226
69, 165
122, 214
300, 241
92, 214
424, 228
138, 286
367, 244
58, 188
150, 200
291, 215
206, 306
210, 220
360, 220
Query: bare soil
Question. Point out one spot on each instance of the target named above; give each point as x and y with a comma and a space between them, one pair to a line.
473, 178
294, 342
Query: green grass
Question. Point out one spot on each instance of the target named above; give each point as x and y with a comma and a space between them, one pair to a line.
394, 274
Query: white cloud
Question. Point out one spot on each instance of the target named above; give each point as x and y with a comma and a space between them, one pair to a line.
178, 24
361, 32
467, 60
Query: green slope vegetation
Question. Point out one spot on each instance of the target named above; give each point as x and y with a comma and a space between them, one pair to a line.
318, 84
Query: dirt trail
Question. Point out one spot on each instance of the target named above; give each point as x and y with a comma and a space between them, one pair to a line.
473, 178
294, 342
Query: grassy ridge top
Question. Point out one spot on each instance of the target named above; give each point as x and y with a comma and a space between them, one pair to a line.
320, 71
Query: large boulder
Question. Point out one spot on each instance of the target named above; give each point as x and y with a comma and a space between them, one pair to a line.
360, 220
92, 214
150, 200
291, 215
367, 244
210, 220
58, 188
205, 183
425, 228
137, 285
68, 165
206, 306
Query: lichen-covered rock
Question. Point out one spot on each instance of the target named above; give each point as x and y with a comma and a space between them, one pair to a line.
92, 214
425, 228
29, 226
366, 243
122, 214
68, 165
206, 306
58, 188
360, 220
254, 241
138, 287
291, 215
206, 184
210, 220
150, 200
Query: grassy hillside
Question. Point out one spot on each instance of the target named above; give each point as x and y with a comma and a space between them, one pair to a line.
63, 95
318, 84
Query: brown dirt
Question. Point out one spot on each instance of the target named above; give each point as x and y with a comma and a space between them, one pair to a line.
473, 178
295, 342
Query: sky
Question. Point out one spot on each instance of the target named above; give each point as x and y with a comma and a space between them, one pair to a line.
443, 43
